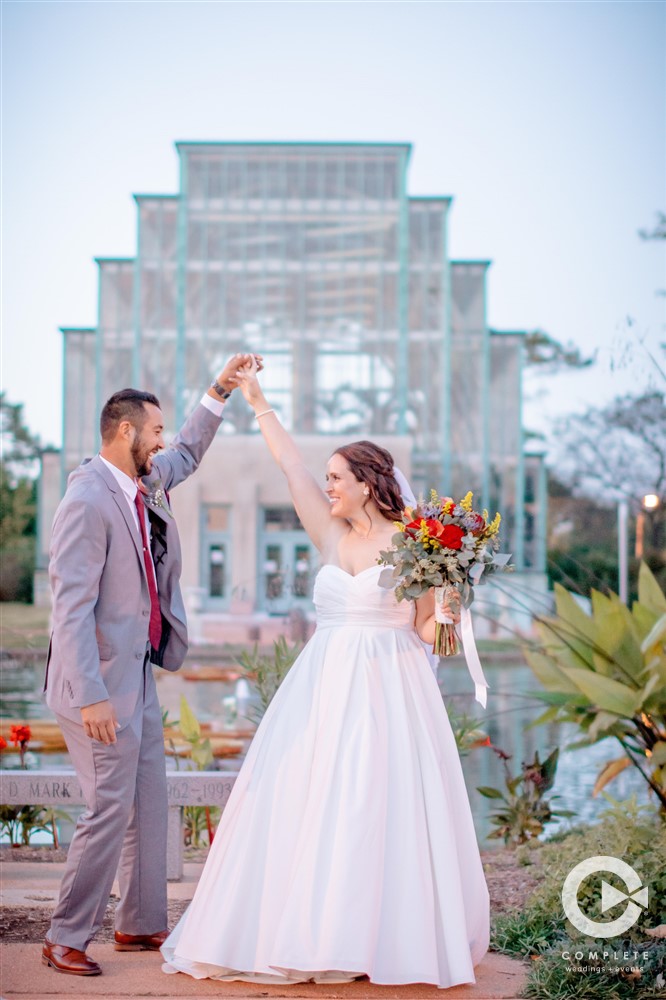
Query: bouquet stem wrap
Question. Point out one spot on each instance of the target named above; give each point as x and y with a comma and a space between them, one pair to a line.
446, 639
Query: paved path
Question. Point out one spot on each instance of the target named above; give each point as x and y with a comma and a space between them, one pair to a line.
138, 974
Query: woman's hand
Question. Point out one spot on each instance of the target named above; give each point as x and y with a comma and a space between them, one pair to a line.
450, 605
246, 379
227, 377
426, 615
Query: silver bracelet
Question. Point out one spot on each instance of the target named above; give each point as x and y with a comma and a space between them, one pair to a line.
263, 413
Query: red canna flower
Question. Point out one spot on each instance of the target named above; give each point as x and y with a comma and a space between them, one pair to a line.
20, 735
434, 527
3, 743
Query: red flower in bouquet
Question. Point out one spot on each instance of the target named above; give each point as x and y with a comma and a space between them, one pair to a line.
3, 743
449, 535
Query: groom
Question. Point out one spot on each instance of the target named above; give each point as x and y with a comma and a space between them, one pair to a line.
117, 607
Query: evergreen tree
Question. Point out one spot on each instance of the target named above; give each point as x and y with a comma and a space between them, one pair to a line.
18, 503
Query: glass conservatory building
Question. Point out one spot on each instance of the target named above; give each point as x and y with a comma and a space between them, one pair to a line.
315, 256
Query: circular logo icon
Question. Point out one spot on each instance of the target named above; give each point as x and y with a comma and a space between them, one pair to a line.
636, 896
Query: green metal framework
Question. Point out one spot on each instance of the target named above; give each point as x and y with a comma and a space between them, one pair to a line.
315, 255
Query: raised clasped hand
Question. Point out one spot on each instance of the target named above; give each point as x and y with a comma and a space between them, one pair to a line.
246, 379
227, 377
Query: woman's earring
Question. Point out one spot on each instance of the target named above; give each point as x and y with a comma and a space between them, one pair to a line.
366, 492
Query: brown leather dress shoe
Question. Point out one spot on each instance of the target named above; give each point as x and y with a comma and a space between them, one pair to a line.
140, 942
69, 960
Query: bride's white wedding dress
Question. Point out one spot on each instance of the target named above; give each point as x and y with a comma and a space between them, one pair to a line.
347, 846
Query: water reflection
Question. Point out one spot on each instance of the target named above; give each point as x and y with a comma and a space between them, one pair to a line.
511, 708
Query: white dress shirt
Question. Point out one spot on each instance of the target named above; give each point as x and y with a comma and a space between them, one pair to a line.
129, 485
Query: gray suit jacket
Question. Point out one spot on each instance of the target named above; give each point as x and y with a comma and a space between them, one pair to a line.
101, 603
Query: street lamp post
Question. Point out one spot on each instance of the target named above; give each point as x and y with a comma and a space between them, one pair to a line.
649, 504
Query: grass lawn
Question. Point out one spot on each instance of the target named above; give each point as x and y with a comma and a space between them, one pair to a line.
23, 626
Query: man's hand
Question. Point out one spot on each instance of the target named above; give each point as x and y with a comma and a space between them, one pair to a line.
100, 722
227, 377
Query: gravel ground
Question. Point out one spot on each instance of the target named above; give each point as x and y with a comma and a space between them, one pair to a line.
509, 883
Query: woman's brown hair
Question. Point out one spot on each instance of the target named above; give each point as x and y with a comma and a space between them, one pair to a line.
373, 466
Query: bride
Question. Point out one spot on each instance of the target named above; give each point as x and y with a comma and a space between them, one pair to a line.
347, 847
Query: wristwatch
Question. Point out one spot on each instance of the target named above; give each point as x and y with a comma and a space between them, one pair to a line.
220, 390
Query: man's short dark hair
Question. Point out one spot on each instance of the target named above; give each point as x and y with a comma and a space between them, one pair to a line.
125, 405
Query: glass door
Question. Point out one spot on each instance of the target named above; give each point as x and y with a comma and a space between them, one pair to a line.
287, 562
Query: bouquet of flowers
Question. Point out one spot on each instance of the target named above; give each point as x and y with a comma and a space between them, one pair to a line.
447, 546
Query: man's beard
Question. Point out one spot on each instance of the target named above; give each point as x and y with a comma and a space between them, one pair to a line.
140, 457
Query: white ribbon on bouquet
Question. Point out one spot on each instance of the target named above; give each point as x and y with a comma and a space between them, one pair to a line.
467, 632
468, 644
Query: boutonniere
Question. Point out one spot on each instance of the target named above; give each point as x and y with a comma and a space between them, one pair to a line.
156, 496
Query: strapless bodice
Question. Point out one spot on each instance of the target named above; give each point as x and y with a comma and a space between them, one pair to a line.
341, 599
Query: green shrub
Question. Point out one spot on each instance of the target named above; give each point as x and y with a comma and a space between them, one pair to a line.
626, 832
525, 933
555, 977
17, 567
524, 811
267, 671
540, 930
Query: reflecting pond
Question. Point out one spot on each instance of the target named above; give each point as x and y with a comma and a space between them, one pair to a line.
511, 708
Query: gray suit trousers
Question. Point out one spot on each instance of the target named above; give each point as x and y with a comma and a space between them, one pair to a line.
124, 828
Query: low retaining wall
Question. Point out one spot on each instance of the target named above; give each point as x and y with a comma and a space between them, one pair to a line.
61, 789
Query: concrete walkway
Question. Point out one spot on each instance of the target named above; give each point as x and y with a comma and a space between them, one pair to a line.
139, 974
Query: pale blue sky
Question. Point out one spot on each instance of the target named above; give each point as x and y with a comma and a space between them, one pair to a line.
545, 121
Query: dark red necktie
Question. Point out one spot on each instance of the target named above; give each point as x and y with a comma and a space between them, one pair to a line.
155, 627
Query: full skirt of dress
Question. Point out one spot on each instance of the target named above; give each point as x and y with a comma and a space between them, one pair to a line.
347, 846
